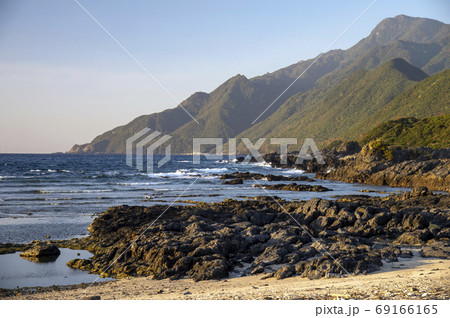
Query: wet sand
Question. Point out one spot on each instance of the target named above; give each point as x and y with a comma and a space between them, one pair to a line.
416, 278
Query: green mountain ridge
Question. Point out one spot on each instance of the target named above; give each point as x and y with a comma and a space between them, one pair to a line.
229, 110
430, 97
344, 106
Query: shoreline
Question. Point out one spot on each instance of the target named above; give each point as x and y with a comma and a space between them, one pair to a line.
370, 239
417, 279
208, 244
409, 168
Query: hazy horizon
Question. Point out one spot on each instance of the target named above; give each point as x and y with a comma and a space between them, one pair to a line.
64, 81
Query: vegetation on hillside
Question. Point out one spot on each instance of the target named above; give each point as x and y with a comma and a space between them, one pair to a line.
433, 132
335, 115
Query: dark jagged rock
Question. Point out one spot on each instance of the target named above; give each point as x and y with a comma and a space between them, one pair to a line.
347, 149
411, 168
418, 167
271, 255
41, 252
418, 237
233, 181
210, 269
307, 165
271, 177
436, 249
242, 175
9, 248
319, 238
77, 263
293, 187
285, 271
259, 176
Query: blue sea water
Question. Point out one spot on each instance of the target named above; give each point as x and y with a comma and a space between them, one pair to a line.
58, 195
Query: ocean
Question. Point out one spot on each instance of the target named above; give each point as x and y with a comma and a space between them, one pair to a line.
58, 195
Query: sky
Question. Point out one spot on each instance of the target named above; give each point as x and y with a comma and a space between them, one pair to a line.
63, 80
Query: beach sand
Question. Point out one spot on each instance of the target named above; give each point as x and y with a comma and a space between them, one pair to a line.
416, 278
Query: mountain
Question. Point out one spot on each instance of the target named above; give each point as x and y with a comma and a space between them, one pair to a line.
345, 105
427, 98
440, 61
402, 27
113, 141
225, 112
230, 109
433, 132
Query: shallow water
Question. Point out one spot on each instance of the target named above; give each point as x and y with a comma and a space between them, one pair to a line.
16, 271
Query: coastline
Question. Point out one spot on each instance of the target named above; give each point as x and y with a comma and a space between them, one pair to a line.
409, 168
194, 249
217, 156
417, 279
283, 264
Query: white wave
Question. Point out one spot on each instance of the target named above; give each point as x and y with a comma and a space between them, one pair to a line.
184, 161
111, 173
86, 191
59, 199
140, 183
260, 164
292, 171
212, 170
180, 173
210, 176
184, 173
75, 191
35, 170
227, 161
51, 170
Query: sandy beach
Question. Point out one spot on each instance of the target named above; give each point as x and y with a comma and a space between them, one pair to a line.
415, 278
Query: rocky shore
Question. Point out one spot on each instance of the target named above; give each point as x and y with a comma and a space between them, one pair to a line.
379, 166
293, 187
313, 239
267, 237
263, 240
413, 278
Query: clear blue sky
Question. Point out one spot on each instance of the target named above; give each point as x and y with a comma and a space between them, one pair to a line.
64, 81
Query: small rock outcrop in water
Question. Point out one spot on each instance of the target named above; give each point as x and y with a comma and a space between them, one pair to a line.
293, 187
233, 181
258, 176
41, 252
209, 241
